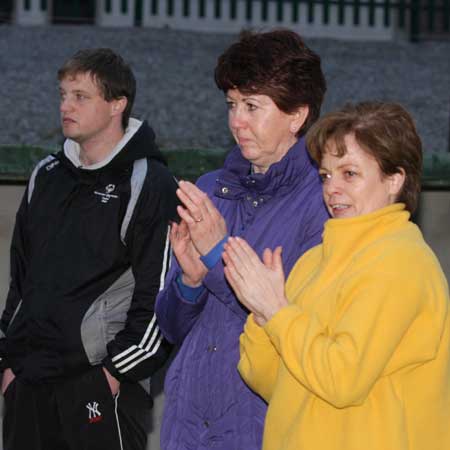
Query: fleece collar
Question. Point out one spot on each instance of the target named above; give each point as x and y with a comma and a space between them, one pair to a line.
72, 148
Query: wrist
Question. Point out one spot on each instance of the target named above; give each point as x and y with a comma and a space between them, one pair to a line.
273, 309
190, 282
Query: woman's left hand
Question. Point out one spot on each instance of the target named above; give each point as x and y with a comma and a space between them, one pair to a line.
258, 285
206, 225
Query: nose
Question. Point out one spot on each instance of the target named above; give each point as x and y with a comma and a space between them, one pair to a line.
65, 105
236, 119
331, 186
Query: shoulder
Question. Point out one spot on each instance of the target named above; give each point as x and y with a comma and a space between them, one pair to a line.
304, 266
159, 176
158, 187
46, 165
208, 181
402, 258
44, 169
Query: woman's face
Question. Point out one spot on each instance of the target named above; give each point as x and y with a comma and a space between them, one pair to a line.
263, 132
354, 184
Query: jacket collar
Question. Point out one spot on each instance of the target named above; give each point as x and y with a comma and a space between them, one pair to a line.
72, 148
235, 179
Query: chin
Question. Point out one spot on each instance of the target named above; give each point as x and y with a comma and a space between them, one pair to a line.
342, 214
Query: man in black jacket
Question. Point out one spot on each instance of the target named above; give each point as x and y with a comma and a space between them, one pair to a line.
90, 250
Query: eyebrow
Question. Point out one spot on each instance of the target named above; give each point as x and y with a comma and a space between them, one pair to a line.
340, 166
253, 99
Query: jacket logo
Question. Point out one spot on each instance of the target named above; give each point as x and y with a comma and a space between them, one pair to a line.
107, 195
51, 165
94, 414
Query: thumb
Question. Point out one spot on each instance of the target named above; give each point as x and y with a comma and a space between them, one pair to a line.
277, 262
267, 257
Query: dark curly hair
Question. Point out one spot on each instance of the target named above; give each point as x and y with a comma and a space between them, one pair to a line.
277, 64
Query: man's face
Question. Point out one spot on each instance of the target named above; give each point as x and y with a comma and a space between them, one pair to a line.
86, 117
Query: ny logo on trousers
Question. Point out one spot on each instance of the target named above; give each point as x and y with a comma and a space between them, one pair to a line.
94, 414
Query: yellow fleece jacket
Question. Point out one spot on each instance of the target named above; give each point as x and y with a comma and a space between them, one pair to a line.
360, 359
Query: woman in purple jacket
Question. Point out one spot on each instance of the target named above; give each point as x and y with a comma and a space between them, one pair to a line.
269, 193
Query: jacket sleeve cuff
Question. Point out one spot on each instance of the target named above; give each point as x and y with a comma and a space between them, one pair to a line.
254, 332
281, 320
191, 294
215, 254
109, 365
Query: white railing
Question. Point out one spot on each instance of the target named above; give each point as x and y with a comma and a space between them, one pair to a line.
331, 20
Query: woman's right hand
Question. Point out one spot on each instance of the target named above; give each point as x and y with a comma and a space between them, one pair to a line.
187, 256
8, 377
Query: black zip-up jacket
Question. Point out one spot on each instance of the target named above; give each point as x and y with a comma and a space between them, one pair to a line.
89, 254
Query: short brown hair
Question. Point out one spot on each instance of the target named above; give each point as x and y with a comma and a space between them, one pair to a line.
277, 64
384, 130
113, 76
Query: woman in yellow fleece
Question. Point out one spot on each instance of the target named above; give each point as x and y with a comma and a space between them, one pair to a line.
354, 352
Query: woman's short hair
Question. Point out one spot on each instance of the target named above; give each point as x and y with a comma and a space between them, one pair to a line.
277, 64
384, 130
113, 76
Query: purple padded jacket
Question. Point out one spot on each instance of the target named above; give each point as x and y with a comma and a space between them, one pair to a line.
207, 403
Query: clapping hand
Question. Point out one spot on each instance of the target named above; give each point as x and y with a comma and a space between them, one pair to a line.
259, 285
206, 225
187, 255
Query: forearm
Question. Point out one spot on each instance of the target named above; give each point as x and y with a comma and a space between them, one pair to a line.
176, 316
138, 362
259, 360
216, 283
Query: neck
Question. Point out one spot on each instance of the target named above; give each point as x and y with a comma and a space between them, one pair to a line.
95, 150
277, 156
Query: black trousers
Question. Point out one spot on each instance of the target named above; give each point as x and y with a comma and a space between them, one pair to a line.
79, 413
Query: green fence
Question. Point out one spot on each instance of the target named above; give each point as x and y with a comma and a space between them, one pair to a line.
17, 162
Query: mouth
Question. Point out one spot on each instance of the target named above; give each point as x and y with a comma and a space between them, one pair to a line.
338, 208
67, 121
243, 141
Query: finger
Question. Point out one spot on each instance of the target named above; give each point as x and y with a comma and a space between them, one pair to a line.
226, 258
183, 228
268, 258
277, 260
194, 193
173, 229
194, 198
250, 255
189, 204
190, 189
237, 255
234, 280
185, 215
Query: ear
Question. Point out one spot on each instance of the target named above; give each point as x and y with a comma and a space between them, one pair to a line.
118, 106
298, 119
396, 181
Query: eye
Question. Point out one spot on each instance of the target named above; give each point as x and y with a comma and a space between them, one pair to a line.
324, 176
230, 104
350, 174
251, 107
80, 97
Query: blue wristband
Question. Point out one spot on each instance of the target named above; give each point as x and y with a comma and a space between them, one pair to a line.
189, 293
215, 254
